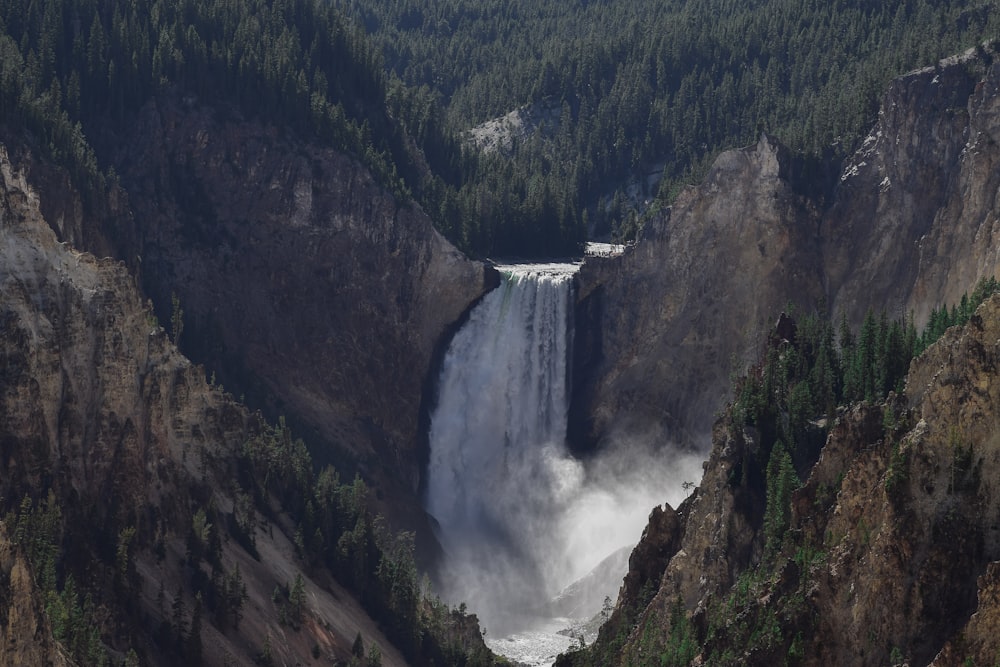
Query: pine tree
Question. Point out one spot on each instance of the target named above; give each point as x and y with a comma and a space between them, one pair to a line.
781, 481
193, 648
178, 624
297, 598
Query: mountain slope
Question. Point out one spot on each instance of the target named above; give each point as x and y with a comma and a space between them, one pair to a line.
887, 549
287, 258
244, 160
890, 538
659, 88
910, 227
161, 520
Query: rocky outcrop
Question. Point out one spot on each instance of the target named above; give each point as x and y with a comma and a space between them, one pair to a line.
892, 549
659, 328
304, 285
25, 632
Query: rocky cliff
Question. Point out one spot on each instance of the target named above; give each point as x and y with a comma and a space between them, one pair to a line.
661, 327
304, 285
25, 632
914, 222
134, 476
911, 225
891, 552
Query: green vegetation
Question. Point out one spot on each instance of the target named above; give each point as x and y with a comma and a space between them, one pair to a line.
635, 84
806, 377
682, 646
941, 319
777, 425
38, 529
72, 70
631, 88
781, 481
802, 379
336, 529
274, 478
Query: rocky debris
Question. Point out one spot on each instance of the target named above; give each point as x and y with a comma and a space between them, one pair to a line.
501, 134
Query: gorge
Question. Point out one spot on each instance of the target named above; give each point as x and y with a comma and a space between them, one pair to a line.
235, 281
518, 516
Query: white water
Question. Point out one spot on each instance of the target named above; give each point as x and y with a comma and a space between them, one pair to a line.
518, 517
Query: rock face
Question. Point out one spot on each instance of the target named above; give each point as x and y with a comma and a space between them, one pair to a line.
303, 284
658, 327
913, 224
101, 409
892, 550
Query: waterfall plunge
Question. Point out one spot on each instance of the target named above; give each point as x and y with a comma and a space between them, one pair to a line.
498, 470
519, 518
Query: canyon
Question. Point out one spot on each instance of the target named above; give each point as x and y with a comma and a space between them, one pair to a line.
315, 295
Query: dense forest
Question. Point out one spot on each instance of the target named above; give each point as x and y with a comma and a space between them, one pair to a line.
73, 71
647, 86
638, 88
809, 370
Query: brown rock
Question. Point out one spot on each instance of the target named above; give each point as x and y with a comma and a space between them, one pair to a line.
25, 632
304, 284
99, 407
658, 327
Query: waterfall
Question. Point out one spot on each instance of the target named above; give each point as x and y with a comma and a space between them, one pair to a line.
498, 460
518, 517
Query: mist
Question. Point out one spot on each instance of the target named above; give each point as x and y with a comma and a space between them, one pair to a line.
518, 517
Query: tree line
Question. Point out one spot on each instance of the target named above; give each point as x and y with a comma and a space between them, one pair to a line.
639, 87
74, 71
649, 85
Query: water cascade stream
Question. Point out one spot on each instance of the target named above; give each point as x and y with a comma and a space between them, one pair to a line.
518, 517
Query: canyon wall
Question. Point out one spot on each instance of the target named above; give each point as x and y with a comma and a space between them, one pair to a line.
891, 552
100, 408
912, 224
892, 546
304, 285
661, 327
